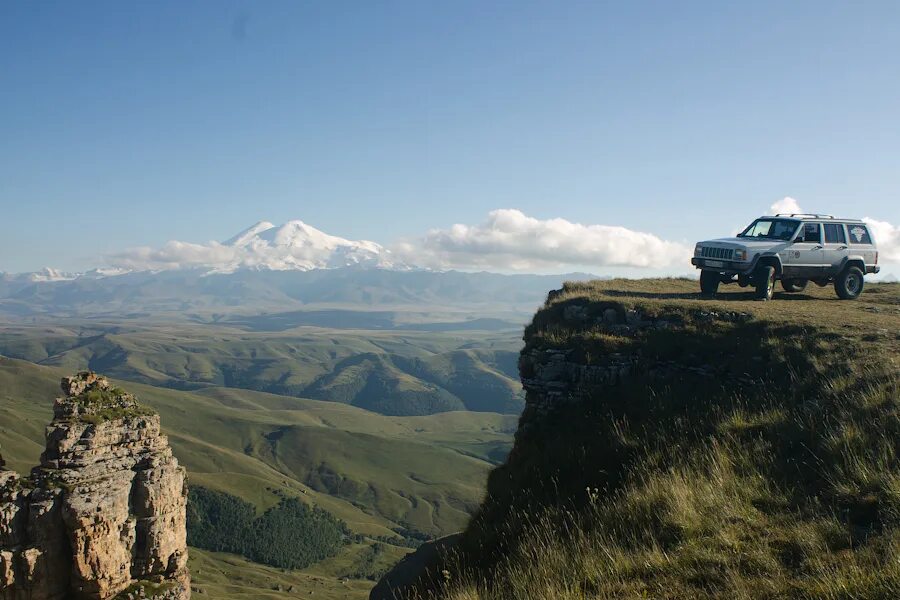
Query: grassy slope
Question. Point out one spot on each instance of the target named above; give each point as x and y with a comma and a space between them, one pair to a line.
422, 473
696, 486
391, 372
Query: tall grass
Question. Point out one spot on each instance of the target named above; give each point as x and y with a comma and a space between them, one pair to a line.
696, 487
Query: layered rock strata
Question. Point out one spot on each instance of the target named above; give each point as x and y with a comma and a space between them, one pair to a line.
103, 516
553, 377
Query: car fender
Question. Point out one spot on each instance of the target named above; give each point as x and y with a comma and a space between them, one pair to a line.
768, 257
856, 259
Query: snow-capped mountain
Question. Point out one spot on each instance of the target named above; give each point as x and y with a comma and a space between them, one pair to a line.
293, 246
299, 247
50, 274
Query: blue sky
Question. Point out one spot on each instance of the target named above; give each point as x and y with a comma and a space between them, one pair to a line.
133, 123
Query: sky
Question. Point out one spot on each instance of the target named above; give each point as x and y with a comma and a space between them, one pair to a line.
130, 124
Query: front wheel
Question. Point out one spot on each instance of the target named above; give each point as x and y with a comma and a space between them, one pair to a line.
709, 282
794, 285
849, 284
764, 279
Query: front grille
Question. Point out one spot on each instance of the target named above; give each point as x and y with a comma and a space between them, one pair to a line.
720, 253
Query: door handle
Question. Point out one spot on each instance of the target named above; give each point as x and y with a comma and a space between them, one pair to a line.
817, 247
842, 247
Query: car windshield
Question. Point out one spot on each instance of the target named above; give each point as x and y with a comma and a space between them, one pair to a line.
775, 229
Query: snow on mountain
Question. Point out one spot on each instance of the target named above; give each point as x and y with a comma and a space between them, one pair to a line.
293, 246
103, 272
248, 234
298, 246
48, 274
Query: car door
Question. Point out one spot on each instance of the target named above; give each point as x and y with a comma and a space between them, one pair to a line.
836, 247
805, 258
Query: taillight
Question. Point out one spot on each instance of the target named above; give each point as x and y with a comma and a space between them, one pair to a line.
876, 257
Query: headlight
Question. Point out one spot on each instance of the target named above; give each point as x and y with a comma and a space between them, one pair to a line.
698, 249
740, 255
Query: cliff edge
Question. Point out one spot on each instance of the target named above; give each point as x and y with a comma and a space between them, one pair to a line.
674, 447
103, 516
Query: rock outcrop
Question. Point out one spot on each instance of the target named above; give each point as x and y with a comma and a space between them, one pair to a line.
103, 516
679, 447
412, 567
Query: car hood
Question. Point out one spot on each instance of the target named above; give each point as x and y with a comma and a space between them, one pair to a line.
748, 243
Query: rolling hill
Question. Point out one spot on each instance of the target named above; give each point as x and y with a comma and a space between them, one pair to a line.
386, 477
395, 372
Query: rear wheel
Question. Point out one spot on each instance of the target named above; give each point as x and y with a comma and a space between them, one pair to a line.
764, 280
709, 282
794, 285
849, 284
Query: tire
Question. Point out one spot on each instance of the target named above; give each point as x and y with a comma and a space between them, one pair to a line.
709, 282
849, 283
794, 285
764, 281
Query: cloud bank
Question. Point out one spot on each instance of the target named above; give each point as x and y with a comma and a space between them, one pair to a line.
510, 240
292, 246
887, 237
786, 205
173, 255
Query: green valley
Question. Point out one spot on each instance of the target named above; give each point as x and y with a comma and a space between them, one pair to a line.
392, 372
392, 480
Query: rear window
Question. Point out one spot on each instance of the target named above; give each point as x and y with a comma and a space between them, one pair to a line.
859, 234
834, 233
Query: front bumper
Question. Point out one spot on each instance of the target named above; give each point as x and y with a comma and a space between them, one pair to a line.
723, 266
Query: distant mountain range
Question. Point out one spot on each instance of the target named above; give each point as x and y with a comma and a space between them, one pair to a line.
293, 246
267, 269
197, 294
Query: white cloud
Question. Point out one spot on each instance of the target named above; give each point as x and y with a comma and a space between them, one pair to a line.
786, 205
887, 237
293, 246
509, 240
174, 255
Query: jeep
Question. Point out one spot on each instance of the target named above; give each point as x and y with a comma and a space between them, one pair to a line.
792, 248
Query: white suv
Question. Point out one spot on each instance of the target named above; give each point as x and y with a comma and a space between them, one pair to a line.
795, 248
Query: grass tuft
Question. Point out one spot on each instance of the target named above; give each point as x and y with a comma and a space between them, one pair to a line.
768, 471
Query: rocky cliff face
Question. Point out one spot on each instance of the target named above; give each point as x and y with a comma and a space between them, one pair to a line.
103, 516
678, 447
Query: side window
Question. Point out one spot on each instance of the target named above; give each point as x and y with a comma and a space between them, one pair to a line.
834, 233
859, 234
810, 233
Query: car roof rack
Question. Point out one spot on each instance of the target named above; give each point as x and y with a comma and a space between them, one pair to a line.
812, 215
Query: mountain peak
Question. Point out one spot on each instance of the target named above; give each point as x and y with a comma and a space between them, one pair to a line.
296, 245
248, 233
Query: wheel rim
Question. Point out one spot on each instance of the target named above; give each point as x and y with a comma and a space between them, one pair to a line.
853, 284
771, 287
